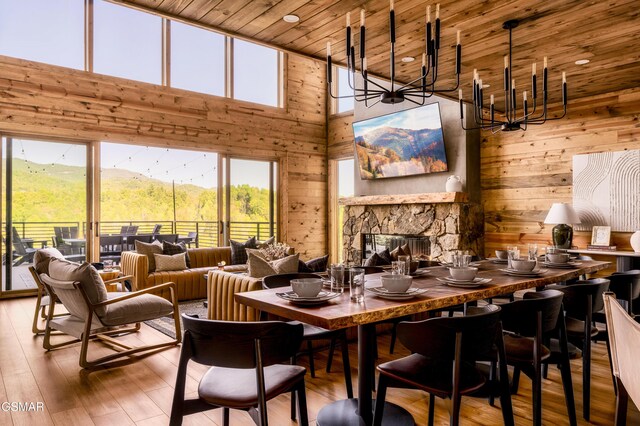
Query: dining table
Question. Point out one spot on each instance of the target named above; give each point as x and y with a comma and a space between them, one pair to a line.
340, 312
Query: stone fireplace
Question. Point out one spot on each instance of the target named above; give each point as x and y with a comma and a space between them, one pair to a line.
449, 220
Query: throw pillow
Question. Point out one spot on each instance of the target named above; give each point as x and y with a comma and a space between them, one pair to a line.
258, 252
319, 264
384, 257
267, 242
239, 252
406, 249
42, 258
171, 249
372, 261
398, 251
87, 276
259, 268
302, 267
176, 262
149, 249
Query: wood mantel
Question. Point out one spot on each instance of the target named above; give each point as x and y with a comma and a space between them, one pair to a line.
427, 198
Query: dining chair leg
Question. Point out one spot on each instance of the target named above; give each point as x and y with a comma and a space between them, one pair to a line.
393, 337
586, 379
312, 367
332, 348
293, 404
622, 400
380, 398
432, 408
515, 382
536, 390
346, 364
302, 404
225, 416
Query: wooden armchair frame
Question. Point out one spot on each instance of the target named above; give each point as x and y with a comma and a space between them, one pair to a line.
104, 332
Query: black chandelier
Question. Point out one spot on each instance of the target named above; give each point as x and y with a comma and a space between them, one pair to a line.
511, 121
415, 91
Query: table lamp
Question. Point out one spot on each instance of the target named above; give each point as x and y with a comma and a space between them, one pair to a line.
562, 215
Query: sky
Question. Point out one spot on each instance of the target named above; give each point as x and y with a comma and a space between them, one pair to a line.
425, 117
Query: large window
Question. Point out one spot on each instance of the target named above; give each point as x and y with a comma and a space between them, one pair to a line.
255, 73
344, 89
346, 188
127, 43
44, 31
197, 59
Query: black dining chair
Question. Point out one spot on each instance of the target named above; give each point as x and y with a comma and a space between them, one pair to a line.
581, 300
443, 361
529, 324
247, 368
313, 333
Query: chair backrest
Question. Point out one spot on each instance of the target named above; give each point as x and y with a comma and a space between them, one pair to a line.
284, 280
73, 231
521, 316
133, 230
18, 245
577, 295
110, 242
131, 240
69, 293
193, 235
435, 338
233, 344
634, 278
170, 238
66, 232
156, 228
624, 341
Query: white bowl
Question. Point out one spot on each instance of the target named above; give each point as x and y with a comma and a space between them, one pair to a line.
523, 265
502, 254
463, 274
558, 257
396, 283
306, 287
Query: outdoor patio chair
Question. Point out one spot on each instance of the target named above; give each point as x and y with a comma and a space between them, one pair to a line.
156, 229
110, 246
95, 315
248, 368
170, 238
22, 253
58, 241
131, 240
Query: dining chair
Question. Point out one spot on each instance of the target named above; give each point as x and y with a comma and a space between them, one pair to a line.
443, 361
193, 239
313, 333
246, 368
581, 300
529, 324
624, 346
94, 314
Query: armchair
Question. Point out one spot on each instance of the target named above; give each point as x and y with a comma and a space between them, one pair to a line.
93, 315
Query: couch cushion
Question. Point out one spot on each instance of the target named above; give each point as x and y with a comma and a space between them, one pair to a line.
166, 262
140, 308
149, 249
171, 249
267, 242
85, 274
42, 258
372, 261
238, 250
384, 257
259, 268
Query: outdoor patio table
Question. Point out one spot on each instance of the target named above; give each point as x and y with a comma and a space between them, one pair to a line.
340, 313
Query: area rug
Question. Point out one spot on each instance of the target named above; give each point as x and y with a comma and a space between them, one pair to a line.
165, 325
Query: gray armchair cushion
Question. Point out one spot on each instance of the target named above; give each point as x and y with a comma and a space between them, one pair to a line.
83, 273
139, 308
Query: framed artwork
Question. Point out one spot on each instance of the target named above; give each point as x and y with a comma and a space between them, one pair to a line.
600, 235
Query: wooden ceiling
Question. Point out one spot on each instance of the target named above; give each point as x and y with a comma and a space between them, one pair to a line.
603, 31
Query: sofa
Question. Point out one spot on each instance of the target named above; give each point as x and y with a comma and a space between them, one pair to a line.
190, 283
221, 289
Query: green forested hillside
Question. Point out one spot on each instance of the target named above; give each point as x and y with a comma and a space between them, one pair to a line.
45, 192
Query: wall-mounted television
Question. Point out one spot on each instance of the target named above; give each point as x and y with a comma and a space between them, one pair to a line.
402, 143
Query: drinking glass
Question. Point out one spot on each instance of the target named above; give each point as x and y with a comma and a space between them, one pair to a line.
533, 251
108, 264
336, 274
397, 267
407, 263
356, 284
513, 253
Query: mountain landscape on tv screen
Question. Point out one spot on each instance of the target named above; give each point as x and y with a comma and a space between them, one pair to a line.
391, 152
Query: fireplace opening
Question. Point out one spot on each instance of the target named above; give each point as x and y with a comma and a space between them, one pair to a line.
375, 243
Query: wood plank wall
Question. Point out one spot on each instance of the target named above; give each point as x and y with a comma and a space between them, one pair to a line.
49, 101
523, 173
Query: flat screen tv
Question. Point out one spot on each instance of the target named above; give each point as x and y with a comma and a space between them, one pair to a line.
403, 143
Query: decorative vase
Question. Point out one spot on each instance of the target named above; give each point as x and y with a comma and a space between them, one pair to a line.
635, 241
454, 184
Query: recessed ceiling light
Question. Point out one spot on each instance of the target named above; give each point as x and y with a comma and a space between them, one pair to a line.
582, 61
292, 19
408, 59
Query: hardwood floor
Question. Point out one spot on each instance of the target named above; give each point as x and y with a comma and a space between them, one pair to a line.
140, 392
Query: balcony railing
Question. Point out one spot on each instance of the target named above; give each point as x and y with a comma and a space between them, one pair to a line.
208, 231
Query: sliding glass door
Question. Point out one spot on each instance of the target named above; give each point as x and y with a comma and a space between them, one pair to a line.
250, 199
45, 199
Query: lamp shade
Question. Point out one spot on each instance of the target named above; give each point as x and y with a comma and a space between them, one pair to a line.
561, 213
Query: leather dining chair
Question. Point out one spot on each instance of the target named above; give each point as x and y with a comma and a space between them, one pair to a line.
528, 327
581, 300
443, 361
246, 367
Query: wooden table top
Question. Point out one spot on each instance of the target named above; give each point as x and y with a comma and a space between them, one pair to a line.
340, 312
